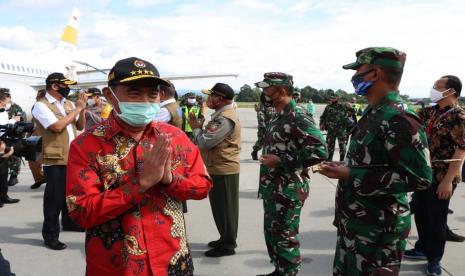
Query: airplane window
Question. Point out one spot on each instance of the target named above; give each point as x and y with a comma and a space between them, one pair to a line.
3, 66
17, 68
8, 66
22, 68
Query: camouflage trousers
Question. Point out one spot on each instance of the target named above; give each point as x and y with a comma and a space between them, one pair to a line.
342, 138
14, 164
369, 252
281, 226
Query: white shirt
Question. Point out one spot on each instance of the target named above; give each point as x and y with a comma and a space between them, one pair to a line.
4, 118
45, 116
163, 114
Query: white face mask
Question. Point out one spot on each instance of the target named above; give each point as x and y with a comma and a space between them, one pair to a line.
436, 95
91, 102
8, 106
191, 101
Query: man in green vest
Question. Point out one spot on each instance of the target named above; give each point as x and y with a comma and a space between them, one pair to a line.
220, 145
57, 122
189, 105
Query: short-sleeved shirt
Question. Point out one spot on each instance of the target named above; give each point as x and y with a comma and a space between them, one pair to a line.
446, 133
45, 116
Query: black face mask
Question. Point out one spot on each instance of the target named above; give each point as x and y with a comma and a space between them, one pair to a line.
64, 91
2, 110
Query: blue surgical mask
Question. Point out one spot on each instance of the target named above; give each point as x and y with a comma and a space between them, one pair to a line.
361, 86
137, 114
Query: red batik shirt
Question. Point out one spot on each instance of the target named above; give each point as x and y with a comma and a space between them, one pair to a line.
128, 231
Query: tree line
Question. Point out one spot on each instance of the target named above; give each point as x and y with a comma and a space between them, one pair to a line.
249, 94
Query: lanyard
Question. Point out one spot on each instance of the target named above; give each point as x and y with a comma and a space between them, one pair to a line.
433, 123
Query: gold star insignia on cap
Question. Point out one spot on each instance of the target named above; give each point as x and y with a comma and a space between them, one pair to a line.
133, 72
151, 72
139, 72
146, 72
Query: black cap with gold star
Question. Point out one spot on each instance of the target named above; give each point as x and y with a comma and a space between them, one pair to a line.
131, 69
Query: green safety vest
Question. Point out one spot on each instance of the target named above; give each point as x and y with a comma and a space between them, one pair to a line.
194, 109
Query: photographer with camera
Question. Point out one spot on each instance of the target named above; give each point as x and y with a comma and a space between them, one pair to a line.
57, 120
14, 162
5, 153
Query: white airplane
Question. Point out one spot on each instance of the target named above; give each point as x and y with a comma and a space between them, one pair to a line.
24, 72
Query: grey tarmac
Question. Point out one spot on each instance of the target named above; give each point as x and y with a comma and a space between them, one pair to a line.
21, 241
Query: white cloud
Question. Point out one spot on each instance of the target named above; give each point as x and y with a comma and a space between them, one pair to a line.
22, 39
145, 3
300, 8
258, 5
197, 40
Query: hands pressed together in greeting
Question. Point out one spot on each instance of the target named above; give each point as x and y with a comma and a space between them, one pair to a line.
157, 163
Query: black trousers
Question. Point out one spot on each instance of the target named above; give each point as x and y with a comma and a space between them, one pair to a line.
430, 214
3, 178
55, 202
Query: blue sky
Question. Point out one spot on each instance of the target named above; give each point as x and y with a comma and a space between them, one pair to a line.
309, 39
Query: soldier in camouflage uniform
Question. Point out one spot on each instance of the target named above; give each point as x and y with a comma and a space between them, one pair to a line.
264, 113
388, 156
14, 162
292, 143
335, 120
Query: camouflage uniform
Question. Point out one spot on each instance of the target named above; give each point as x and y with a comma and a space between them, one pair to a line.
264, 114
14, 162
290, 134
388, 156
335, 120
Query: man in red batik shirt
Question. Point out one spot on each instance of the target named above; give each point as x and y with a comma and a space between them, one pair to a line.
127, 177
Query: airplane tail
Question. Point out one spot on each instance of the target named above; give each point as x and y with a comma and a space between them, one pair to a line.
69, 38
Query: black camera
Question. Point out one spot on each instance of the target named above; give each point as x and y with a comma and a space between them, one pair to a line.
13, 136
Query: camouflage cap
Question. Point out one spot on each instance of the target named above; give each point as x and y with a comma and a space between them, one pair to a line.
383, 56
275, 78
189, 95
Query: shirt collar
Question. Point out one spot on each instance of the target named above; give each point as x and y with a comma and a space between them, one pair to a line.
224, 108
391, 97
289, 107
113, 127
172, 100
52, 99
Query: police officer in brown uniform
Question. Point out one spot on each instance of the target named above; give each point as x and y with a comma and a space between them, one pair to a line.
57, 122
220, 145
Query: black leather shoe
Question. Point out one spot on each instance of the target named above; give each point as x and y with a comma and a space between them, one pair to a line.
217, 243
9, 200
13, 181
74, 229
451, 236
219, 252
37, 184
214, 243
55, 245
1, 204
